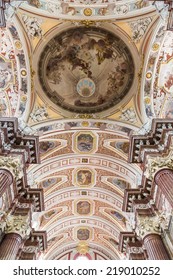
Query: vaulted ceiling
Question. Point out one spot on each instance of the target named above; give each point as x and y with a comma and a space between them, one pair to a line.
84, 76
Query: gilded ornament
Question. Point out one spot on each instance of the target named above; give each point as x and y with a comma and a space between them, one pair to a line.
88, 23
82, 248
23, 73
155, 164
87, 12
23, 98
155, 47
13, 164
85, 124
18, 224
151, 224
148, 75
147, 100
35, 3
18, 45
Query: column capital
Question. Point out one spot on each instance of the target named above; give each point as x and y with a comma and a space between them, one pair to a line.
12, 164
150, 224
154, 164
18, 224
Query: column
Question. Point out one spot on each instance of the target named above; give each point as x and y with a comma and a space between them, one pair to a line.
17, 230
10, 246
6, 180
164, 181
155, 247
149, 230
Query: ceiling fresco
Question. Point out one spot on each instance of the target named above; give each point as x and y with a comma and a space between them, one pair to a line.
83, 207
119, 183
84, 177
80, 9
83, 68
83, 191
85, 142
86, 70
13, 74
158, 82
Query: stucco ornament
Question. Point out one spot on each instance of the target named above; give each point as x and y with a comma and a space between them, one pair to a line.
139, 28
12, 164
18, 224
155, 164
33, 26
39, 114
128, 115
26, 129
151, 224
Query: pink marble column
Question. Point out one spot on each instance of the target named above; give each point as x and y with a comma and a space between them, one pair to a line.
10, 246
164, 180
6, 180
155, 247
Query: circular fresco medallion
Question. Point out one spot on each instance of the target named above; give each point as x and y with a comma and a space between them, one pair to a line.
86, 70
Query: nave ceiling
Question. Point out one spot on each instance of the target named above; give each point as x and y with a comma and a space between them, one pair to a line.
59, 62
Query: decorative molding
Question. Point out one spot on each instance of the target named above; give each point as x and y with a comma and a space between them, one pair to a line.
135, 250
30, 249
91, 9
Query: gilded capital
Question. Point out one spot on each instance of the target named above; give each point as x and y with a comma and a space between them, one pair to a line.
18, 224
154, 164
12, 164
150, 224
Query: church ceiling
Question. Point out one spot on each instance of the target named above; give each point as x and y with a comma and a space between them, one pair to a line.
83, 179
83, 187
83, 82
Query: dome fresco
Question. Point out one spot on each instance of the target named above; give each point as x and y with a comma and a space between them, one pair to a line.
86, 70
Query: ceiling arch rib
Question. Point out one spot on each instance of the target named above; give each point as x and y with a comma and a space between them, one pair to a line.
65, 162
53, 126
77, 223
97, 195
93, 10
69, 250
